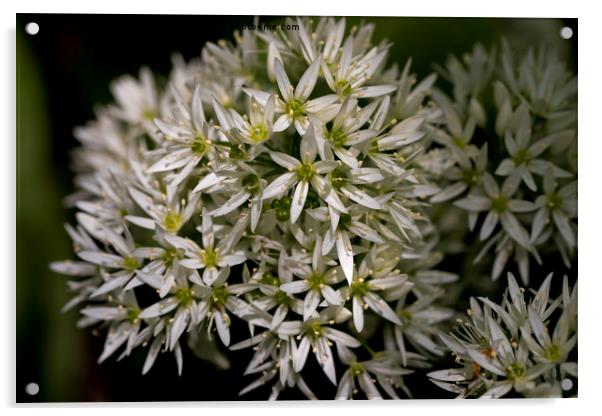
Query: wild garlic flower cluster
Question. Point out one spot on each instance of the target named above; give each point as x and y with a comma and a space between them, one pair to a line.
271, 181
523, 344
277, 195
507, 153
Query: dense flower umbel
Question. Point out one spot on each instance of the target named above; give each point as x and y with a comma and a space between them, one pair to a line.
528, 144
283, 154
284, 181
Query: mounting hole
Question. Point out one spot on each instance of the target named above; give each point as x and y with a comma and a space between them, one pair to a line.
566, 32
566, 384
32, 389
32, 28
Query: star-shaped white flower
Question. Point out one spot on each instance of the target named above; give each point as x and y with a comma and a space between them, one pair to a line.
303, 173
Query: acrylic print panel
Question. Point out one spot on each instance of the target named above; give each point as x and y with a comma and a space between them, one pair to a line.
252, 208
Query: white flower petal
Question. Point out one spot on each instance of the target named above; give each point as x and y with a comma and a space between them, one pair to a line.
280, 185
284, 160
378, 305
374, 91
151, 357
485, 362
160, 308
308, 81
284, 85
222, 328
300, 355
312, 299
473, 203
514, 229
231, 204
360, 197
207, 182
358, 314
177, 327
102, 259
298, 286
362, 230
489, 224
331, 296
562, 222
345, 253
73, 268
299, 200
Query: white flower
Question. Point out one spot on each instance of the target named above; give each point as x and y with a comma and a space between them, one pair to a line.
188, 142
315, 334
211, 257
561, 206
294, 104
170, 215
352, 72
138, 100
317, 283
383, 366
524, 157
362, 294
498, 357
501, 206
303, 173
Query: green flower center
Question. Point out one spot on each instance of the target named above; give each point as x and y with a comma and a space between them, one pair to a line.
172, 221
406, 315
132, 314
200, 145
554, 201
270, 279
283, 298
169, 256
259, 132
315, 281
149, 114
251, 183
295, 108
337, 136
237, 152
470, 177
359, 287
314, 330
460, 142
209, 257
305, 171
357, 369
499, 204
515, 371
522, 157
338, 177
219, 295
344, 87
184, 296
130, 263
553, 353
344, 221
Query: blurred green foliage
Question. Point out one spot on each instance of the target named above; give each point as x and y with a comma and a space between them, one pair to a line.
49, 347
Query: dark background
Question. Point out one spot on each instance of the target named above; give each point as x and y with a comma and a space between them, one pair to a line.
62, 73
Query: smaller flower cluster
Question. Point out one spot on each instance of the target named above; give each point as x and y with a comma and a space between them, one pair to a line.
512, 170
525, 345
